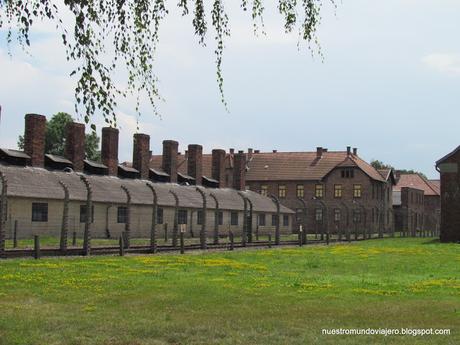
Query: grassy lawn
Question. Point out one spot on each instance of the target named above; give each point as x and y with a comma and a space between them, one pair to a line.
277, 296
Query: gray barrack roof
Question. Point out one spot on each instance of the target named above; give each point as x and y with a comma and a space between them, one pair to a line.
57, 159
15, 153
38, 183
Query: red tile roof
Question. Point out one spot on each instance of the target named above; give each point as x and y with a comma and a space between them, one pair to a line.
416, 181
436, 185
303, 165
283, 166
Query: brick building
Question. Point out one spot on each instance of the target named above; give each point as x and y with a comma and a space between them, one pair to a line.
339, 185
408, 210
417, 203
334, 189
448, 166
34, 194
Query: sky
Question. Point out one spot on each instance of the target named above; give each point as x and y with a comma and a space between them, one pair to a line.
389, 84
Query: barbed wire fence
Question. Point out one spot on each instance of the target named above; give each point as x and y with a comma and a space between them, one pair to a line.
74, 231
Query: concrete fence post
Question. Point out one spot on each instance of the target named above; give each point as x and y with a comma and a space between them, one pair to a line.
245, 211
3, 212
278, 213
347, 226
249, 221
204, 210
304, 220
182, 248
65, 219
232, 240
89, 216
153, 236
36, 247
121, 245
15, 234
325, 214
216, 220
176, 219
128, 217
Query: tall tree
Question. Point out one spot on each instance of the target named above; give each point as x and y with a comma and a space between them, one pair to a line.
127, 31
55, 138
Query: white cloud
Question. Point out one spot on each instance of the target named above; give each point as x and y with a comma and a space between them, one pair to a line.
444, 63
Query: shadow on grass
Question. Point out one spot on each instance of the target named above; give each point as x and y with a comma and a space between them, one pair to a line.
431, 241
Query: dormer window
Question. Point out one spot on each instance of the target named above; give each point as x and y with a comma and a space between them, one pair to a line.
348, 173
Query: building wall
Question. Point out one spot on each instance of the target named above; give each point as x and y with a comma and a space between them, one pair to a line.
410, 215
378, 200
450, 198
432, 209
20, 210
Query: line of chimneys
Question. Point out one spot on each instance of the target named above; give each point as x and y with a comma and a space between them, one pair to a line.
34, 146
320, 150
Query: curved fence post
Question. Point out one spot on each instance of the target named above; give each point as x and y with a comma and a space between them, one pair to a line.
216, 220
65, 218
176, 219
365, 219
278, 212
245, 211
347, 228
153, 228
89, 215
203, 223
3, 211
365, 222
249, 221
325, 213
304, 220
127, 238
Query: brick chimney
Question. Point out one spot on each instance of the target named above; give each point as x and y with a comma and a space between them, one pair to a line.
75, 145
348, 150
319, 152
355, 151
109, 149
141, 154
195, 163
239, 171
250, 152
34, 139
218, 166
232, 151
170, 148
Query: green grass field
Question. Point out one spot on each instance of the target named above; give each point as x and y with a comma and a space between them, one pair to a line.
277, 296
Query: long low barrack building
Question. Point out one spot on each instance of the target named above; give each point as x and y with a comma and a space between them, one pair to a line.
36, 184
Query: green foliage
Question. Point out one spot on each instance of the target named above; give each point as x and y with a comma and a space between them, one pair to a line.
380, 165
55, 138
128, 33
278, 296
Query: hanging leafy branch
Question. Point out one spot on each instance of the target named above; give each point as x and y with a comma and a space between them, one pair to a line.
127, 31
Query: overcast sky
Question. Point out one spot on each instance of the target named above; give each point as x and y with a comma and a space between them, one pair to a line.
389, 85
